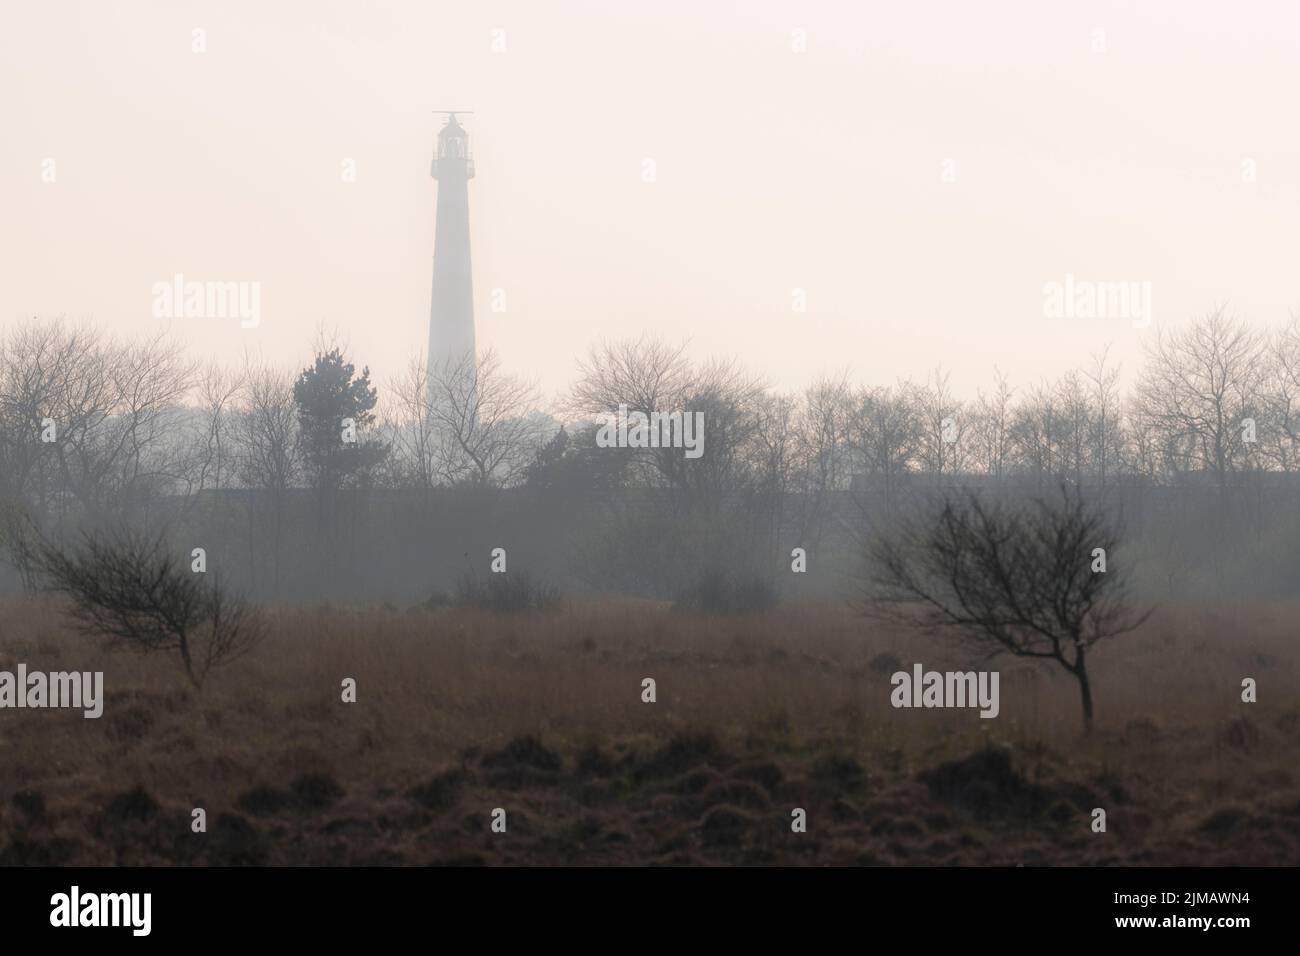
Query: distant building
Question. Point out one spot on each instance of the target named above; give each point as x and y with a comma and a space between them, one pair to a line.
451, 322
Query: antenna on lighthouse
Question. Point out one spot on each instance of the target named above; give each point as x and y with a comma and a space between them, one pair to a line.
451, 116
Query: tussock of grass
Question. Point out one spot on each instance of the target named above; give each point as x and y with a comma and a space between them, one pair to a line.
464, 710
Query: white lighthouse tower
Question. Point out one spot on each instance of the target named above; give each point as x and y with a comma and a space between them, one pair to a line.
451, 322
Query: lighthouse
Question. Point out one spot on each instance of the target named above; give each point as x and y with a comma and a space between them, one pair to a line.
451, 322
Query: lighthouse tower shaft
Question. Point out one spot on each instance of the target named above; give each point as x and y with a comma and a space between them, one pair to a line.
451, 324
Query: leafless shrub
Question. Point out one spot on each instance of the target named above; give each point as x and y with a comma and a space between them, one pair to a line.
1015, 580
133, 589
719, 590
513, 593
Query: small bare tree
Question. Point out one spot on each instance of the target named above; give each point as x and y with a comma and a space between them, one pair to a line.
133, 589
1017, 580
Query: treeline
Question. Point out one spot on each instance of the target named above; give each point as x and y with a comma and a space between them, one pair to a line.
138, 419
97, 429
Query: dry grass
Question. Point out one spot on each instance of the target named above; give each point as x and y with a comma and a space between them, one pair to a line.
754, 716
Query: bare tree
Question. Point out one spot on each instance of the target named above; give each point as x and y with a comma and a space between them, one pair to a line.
112, 411
28, 382
136, 591
730, 399
213, 453
885, 433
1074, 415
822, 435
1036, 430
943, 426
991, 430
268, 421
1281, 439
484, 423
774, 449
645, 374
1015, 580
775, 443
648, 375
1107, 438
1198, 386
268, 448
413, 431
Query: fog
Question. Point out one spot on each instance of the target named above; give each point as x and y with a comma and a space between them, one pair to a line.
323, 484
918, 171
774, 433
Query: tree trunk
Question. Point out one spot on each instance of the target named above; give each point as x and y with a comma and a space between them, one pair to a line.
1085, 691
188, 662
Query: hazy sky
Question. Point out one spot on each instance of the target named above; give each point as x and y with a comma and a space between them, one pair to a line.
776, 170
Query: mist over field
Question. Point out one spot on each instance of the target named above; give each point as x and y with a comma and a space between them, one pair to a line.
797, 435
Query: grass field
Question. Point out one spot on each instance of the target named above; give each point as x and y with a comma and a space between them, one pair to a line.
459, 713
